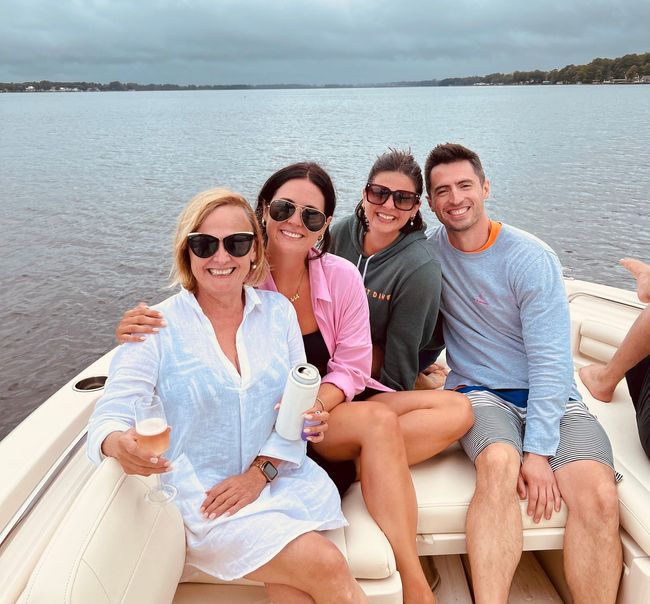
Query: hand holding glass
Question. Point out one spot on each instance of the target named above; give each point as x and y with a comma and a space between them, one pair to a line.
151, 427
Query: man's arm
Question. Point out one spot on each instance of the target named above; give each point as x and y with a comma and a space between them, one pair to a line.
546, 333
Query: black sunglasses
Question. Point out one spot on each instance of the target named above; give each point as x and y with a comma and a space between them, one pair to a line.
403, 200
283, 209
204, 246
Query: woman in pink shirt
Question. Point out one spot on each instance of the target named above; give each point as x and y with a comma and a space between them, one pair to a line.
374, 433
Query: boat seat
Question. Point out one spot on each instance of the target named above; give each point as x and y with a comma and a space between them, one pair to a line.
598, 328
111, 546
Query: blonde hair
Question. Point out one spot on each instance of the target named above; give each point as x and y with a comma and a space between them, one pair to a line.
196, 211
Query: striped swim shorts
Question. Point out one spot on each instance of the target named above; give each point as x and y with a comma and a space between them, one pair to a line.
498, 421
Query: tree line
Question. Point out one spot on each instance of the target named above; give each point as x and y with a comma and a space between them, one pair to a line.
628, 68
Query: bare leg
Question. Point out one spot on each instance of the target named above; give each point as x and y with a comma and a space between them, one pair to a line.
430, 420
313, 565
494, 531
592, 547
283, 594
601, 380
370, 431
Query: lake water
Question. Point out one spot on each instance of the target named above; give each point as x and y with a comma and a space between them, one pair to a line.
92, 183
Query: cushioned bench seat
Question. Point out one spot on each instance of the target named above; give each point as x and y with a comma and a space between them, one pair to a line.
619, 421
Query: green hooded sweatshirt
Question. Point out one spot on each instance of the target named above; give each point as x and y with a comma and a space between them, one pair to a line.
403, 285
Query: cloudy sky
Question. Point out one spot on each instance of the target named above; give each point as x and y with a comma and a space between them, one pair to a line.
308, 41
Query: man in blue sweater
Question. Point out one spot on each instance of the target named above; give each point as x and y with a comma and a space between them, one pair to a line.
507, 332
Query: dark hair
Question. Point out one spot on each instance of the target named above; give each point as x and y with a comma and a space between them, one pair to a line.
403, 162
299, 171
448, 154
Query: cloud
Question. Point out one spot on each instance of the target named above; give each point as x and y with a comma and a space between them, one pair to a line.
321, 41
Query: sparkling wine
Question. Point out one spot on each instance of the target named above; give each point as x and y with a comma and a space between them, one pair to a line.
153, 434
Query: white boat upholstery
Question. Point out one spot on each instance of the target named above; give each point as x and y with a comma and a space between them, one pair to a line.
619, 421
111, 546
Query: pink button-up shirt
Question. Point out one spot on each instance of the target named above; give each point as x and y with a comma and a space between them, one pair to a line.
340, 305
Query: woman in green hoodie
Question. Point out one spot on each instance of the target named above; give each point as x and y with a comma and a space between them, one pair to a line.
385, 239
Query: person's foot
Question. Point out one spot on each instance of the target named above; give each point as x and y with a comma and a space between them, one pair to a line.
593, 377
641, 272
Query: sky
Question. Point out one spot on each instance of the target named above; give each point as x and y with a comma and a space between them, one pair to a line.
308, 41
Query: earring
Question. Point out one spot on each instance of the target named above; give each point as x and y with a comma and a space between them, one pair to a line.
320, 238
254, 265
412, 217
263, 223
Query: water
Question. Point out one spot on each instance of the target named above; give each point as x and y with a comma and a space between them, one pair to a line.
92, 184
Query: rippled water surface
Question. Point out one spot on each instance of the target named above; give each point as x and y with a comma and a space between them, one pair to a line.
91, 185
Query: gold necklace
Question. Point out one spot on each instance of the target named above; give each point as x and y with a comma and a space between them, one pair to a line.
293, 299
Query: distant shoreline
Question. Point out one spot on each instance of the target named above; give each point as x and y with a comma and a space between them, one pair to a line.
62, 87
629, 69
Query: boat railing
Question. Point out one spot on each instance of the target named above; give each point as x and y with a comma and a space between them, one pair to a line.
41, 488
626, 303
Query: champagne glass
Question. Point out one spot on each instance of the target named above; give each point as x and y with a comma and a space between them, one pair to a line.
151, 427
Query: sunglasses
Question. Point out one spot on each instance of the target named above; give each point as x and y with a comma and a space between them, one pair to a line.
204, 246
283, 209
403, 200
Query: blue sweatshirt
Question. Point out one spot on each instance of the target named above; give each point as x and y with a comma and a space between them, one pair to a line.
507, 325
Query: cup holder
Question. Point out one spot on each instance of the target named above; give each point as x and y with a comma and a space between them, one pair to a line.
90, 384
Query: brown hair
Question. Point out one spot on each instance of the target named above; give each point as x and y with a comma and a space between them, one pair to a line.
196, 211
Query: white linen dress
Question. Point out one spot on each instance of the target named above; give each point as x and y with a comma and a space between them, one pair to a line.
221, 421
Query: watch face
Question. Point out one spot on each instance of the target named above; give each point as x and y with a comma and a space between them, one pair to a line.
269, 470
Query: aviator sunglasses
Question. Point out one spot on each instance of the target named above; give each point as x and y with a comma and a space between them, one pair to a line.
403, 200
204, 246
283, 209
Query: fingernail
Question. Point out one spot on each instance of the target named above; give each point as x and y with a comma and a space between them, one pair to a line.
168, 464
155, 330
163, 323
308, 416
201, 509
212, 516
153, 459
227, 514
142, 338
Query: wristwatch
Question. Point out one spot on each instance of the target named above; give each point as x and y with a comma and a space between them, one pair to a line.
267, 468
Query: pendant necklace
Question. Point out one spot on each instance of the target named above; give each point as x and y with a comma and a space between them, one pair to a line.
293, 299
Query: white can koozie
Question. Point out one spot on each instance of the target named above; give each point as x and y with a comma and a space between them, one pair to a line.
299, 395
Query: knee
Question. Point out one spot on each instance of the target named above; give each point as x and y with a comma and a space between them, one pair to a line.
380, 422
465, 414
332, 564
599, 506
498, 466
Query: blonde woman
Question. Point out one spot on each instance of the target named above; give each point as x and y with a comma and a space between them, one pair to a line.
220, 369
